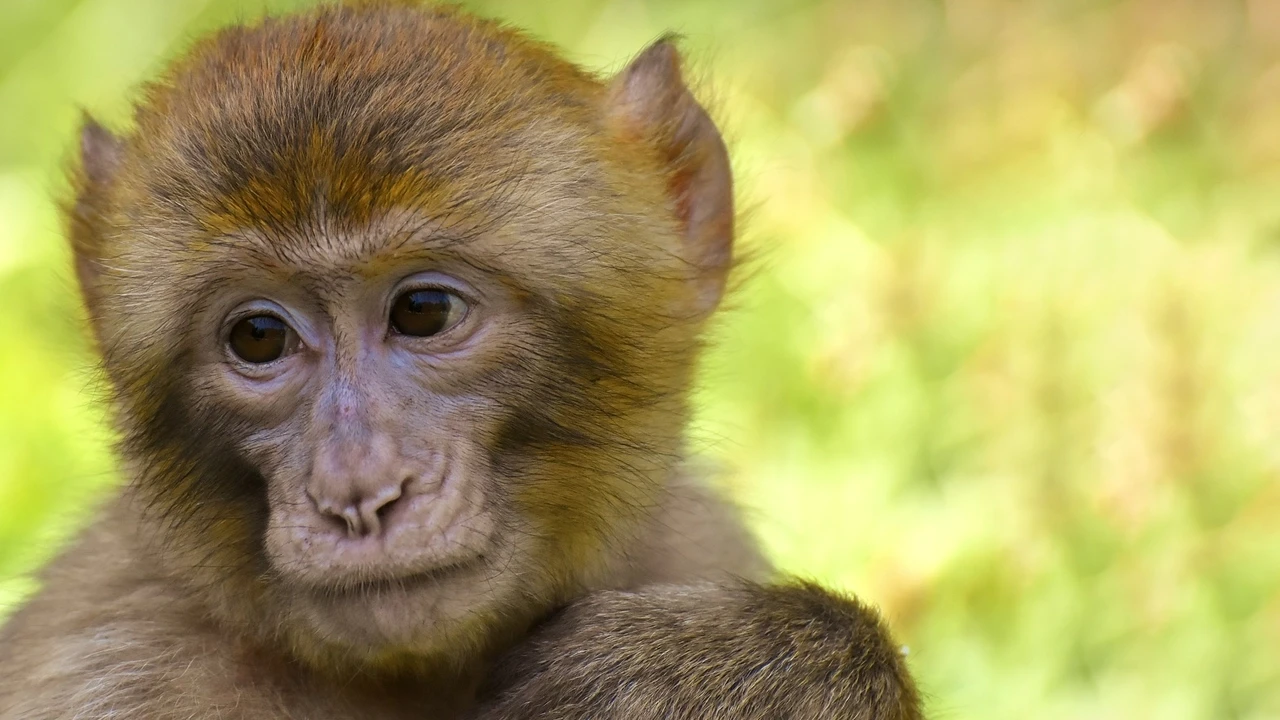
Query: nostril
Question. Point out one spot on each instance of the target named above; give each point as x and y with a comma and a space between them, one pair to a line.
341, 517
337, 522
352, 519
373, 510
384, 509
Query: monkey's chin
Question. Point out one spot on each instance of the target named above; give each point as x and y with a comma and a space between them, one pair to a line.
449, 612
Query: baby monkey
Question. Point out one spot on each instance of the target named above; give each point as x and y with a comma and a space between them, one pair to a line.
399, 311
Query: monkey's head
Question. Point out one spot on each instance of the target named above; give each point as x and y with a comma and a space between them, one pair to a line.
399, 310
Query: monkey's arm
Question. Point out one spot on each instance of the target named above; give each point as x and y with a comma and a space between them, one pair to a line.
735, 651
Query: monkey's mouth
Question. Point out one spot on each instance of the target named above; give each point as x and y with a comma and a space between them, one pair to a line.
372, 584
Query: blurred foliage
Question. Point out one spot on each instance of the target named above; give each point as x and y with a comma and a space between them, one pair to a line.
1003, 366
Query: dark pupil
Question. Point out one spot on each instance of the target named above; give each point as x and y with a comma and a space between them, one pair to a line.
421, 312
259, 339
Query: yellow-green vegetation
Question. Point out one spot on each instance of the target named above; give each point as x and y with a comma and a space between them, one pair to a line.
1006, 361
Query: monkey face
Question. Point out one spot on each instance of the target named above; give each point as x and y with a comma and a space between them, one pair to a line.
423, 434
401, 331
363, 416
366, 409
387, 441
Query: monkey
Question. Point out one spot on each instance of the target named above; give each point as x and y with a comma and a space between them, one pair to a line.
399, 310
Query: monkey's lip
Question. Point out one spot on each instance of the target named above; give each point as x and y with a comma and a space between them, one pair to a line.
373, 583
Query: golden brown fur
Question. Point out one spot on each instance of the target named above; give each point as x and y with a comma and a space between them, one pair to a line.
548, 523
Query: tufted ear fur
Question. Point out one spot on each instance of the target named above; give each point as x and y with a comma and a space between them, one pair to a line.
649, 101
101, 153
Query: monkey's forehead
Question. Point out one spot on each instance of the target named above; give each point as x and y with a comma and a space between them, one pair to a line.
350, 112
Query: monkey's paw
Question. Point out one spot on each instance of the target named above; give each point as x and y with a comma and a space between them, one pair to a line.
731, 652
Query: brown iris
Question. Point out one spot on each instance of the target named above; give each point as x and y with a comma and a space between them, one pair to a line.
260, 339
426, 312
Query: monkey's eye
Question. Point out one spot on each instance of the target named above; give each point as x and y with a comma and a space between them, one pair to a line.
261, 339
426, 312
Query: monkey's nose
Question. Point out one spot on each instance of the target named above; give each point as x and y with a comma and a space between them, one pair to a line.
363, 514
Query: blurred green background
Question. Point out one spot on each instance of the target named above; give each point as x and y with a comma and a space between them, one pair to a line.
1007, 362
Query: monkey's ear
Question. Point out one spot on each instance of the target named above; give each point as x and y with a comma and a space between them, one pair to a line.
100, 150
649, 101
101, 154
